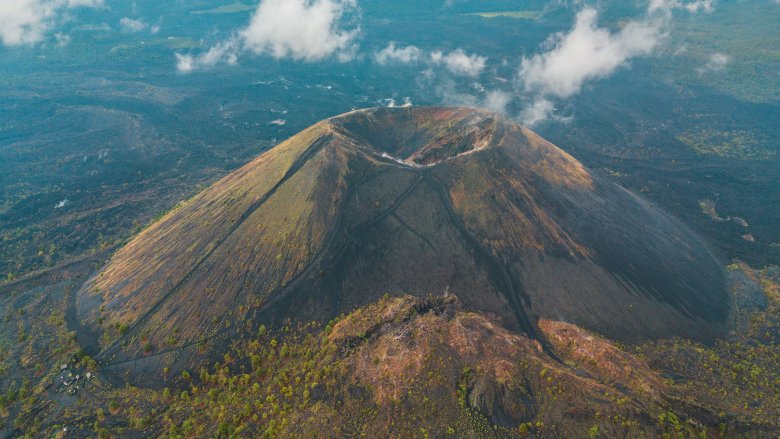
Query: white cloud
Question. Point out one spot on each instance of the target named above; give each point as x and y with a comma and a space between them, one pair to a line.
567, 61
61, 39
585, 53
694, 6
716, 62
24, 22
391, 102
226, 52
540, 110
185, 63
306, 30
132, 25
457, 62
497, 100
452, 92
404, 55
439, 75
460, 63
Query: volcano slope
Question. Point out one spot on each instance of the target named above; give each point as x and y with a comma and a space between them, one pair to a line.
401, 201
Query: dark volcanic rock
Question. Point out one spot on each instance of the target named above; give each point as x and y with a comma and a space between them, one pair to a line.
401, 201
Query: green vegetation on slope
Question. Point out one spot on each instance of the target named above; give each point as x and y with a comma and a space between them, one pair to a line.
738, 378
413, 368
740, 145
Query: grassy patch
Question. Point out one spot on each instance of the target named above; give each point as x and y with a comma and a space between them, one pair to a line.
517, 15
232, 8
740, 145
708, 208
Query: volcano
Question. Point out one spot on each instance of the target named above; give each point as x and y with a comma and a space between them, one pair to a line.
398, 201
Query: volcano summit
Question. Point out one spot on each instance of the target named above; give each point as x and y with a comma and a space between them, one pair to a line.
400, 201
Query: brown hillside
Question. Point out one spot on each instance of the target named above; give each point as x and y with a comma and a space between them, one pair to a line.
412, 200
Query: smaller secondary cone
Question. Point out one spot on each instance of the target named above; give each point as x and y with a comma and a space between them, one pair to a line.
402, 201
